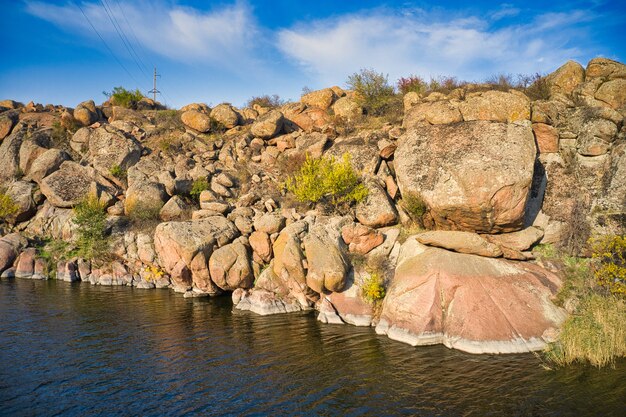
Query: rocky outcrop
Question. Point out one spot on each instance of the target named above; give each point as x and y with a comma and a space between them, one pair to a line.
482, 177
470, 303
184, 249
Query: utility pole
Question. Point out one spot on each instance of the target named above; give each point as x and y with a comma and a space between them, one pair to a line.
154, 90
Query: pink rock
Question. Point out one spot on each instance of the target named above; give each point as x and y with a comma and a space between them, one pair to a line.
547, 138
26, 263
470, 303
261, 245
361, 239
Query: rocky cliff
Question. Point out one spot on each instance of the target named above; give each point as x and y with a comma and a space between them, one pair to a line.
495, 172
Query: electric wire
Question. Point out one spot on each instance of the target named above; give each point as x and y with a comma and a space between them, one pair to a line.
132, 32
117, 29
106, 45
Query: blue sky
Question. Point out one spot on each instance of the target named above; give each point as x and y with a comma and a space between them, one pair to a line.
215, 51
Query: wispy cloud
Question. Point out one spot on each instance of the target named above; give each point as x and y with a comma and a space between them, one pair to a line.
422, 42
224, 37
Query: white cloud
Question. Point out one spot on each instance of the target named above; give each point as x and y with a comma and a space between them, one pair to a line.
423, 43
223, 38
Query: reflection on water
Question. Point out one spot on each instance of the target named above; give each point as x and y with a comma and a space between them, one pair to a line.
75, 349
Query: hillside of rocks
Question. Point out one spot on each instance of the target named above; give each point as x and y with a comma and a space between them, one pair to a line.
497, 174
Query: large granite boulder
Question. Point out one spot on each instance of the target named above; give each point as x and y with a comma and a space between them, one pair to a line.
21, 192
613, 93
288, 273
322, 99
327, 267
433, 113
177, 244
472, 176
48, 162
10, 247
230, 267
470, 303
67, 186
226, 115
268, 125
86, 113
376, 210
145, 196
497, 106
109, 148
7, 121
196, 120
10, 153
347, 108
566, 78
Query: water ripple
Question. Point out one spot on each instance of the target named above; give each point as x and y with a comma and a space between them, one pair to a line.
74, 350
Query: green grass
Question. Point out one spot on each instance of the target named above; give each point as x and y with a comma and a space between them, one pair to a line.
595, 333
199, 185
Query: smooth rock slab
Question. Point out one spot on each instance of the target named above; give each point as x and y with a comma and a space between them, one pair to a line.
470, 303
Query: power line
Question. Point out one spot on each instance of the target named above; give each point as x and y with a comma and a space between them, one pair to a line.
121, 35
132, 31
106, 45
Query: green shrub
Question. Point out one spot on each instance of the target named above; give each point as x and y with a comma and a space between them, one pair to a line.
8, 207
90, 219
595, 333
373, 91
118, 172
327, 180
415, 206
272, 101
123, 97
197, 187
610, 255
373, 289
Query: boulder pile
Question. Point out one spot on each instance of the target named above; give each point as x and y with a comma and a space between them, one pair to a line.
195, 202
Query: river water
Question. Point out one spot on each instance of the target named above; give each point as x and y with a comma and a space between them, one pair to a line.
77, 350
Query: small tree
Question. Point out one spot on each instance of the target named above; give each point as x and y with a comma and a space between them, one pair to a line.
90, 219
373, 91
